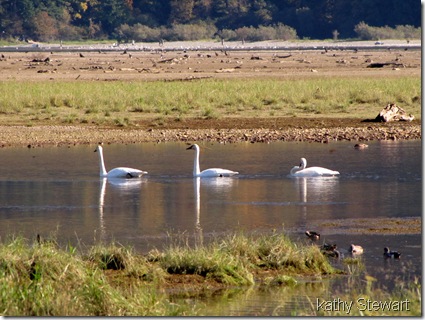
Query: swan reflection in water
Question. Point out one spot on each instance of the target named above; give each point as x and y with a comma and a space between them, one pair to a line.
213, 184
119, 184
315, 191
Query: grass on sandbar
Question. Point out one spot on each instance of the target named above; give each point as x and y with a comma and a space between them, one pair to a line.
125, 103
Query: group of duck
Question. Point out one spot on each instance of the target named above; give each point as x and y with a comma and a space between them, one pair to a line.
127, 173
331, 250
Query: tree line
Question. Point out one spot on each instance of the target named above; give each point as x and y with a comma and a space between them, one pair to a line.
153, 20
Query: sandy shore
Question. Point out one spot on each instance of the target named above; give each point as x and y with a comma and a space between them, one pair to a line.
37, 136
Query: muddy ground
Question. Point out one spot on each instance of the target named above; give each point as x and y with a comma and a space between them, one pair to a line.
193, 61
252, 130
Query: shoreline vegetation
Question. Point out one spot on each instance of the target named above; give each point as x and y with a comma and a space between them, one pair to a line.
253, 110
112, 280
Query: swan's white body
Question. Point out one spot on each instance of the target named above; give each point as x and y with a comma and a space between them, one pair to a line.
120, 172
212, 172
302, 171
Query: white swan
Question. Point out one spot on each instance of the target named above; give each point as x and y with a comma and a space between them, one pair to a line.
121, 172
302, 171
213, 172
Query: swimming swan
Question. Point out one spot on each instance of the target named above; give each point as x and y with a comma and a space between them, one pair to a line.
302, 171
121, 172
213, 172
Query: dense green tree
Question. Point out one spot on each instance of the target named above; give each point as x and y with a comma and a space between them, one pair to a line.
109, 14
181, 11
258, 13
316, 19
202, 9
151, 12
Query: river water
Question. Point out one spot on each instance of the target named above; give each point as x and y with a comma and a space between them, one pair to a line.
57, 190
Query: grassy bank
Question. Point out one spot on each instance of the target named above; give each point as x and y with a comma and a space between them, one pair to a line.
42, 279
39, 278
125, 103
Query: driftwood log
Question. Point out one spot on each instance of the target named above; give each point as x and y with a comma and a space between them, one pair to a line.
383, 64
393, 113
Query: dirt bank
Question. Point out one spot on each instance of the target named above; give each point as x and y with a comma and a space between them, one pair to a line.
223, 131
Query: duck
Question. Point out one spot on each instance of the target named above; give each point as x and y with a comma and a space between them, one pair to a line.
313, 235
330, 250
120, 172
391, 254
361, 146
355, 249
212, 172
302, 171
328, 247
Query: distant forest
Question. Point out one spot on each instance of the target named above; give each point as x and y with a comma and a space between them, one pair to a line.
248, 20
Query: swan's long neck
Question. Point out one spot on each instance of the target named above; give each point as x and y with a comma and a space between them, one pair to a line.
196, 169
103, 172
295, 170
302, 166
303, 163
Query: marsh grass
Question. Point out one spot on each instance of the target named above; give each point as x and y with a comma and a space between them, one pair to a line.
104, 102
39, 278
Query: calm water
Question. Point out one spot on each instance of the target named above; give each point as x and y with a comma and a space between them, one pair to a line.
58, 191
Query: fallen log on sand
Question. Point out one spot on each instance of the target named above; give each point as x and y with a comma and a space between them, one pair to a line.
393, 113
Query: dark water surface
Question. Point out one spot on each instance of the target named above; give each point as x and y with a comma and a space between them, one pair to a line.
58, 191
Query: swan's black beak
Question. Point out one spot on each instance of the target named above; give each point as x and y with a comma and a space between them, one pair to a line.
191, 147
95, 150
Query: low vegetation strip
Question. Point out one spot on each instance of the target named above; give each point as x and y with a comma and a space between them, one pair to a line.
121, 103
110, 280
319, 110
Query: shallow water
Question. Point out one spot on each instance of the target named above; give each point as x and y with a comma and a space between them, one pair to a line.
58, 191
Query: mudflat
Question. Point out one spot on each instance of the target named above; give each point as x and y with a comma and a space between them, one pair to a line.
195, 61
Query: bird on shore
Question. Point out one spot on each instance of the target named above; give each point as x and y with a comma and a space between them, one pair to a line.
212, 172
391, 254
355, 249
302, 171
313, 235
120, 172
